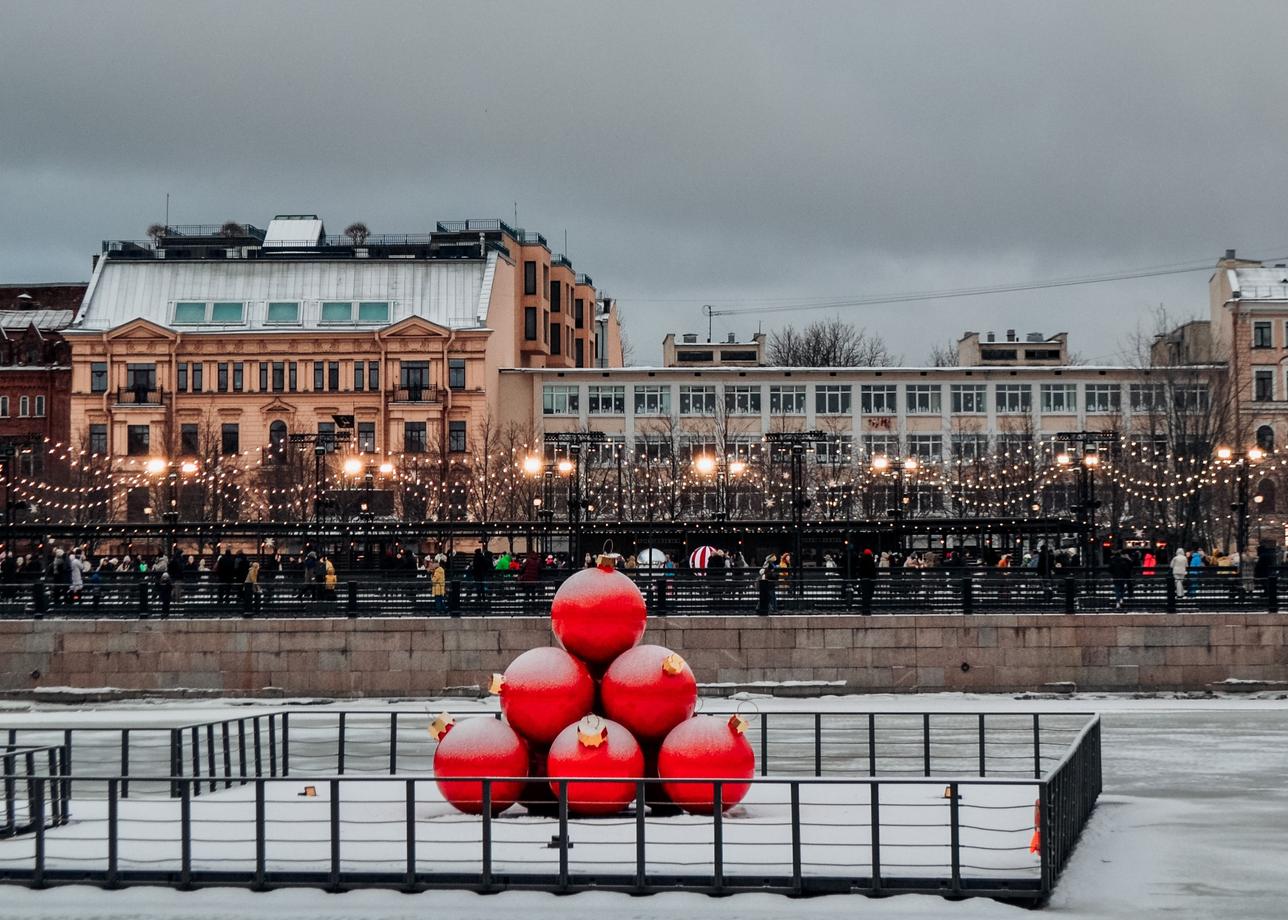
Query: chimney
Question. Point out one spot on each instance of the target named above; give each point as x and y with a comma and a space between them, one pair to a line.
1229, 254
733, 339
992, 337
690, 338
1010, 335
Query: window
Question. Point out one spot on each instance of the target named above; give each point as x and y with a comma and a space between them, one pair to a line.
923, 398
336, 311
742, 400
239, 376
652, 450
556, 344
366, 437
229, 438
530, 323
277, 439
697, 400
198, 373
1265, 497
1266, 438
282, 313
881, 445
373, 375
1191, 397
1262, 335
579, 312
456, 373
556, 300
333, 375
98, 439
606, 452
24, 409
414, 378
1103, 397
456, 437
1148, 397
929, 446
530, 279
227, 312
359, 375
606, 400
4, 406
969, 398
98, 377
222, 383
581, 352
137, 438
373, 311
326, 436
181, 376
189, 440
263, 376
545, 327
38, 409
652, 400
141, 376
834, 451
878, 400
1014, 397
1015, 445
787, 400
559, 399
970, 446
319, 376
1059, 397
188, 313
832, 399
1263, 385
414, 439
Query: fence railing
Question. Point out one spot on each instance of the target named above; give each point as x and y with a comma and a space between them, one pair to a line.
936, 830
366, 594
27, 808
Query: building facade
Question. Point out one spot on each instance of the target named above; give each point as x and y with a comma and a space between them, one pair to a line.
235, 349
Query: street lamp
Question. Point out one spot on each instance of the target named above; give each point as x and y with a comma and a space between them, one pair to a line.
1087, 504
723, 468
1243, 466
881, 464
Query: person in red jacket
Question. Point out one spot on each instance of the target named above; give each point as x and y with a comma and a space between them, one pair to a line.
530, 580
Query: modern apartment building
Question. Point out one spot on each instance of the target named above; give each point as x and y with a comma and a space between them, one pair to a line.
229, 340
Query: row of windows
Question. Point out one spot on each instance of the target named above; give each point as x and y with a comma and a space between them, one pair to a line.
874, 399
138, 438
278, 376
28, 406
1263, 334
279, 312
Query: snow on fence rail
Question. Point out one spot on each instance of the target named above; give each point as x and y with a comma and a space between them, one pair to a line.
897, 802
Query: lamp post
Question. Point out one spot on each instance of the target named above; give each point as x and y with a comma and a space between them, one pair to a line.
723, 468
1243, 472
571, 467
156, 467
900, 468
1087, 504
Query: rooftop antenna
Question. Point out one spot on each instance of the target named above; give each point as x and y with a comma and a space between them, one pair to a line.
167, 210
710, 312
565, 242
516, 213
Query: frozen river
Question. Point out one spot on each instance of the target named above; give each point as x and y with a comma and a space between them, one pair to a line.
1193, 823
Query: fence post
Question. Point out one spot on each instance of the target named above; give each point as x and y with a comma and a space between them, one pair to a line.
39, 600
1070, 595
764, 744
125, 763
335, 835
185, 833
38, 819
351, 604
409, 831
925, 742
797, 882
872, 744
1272, 594
176, 760
1171, 592
1037, 745
143, 599
563, 835
968, 596
286, 744
717, 827
486, 836
641, 866
393, 744
260, 838
112, 832
225, 737
272, 745
818, 744
954, 834
874, 806
10, 790
339, 754
454, 598
983, 757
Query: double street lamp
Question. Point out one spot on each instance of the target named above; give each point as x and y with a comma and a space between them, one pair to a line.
723, 468
1087, 504
173, 472
354, 467
1243, 466
908, 466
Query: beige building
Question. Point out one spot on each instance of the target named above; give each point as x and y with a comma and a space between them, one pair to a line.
223, 346
1034, 350
689, 352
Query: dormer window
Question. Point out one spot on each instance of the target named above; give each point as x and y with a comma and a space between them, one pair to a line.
222, 312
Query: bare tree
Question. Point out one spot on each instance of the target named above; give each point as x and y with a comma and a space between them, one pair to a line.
358, 232
944, 355
828, 343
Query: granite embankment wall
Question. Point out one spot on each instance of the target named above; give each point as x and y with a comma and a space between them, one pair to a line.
384, 657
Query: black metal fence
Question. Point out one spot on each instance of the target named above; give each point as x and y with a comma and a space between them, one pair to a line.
36, 788
947, 806
816, 591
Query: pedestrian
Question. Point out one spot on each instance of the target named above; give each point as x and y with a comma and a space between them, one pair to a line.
75, 576
250, 589
225, 576
1195, 567
438, 587
329, 579
529, 579
1180, 562
165, 592
767, 583
481, 569
867, 571
311, 579
1120, 568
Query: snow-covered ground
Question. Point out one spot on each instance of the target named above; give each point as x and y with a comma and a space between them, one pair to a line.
1193, 824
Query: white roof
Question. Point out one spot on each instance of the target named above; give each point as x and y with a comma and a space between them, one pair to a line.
453, 293
1260, 283
293, 231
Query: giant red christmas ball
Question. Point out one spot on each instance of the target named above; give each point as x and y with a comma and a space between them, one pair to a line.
598, 613
707, 747
479, 747
650, 690
543, 691
595, 748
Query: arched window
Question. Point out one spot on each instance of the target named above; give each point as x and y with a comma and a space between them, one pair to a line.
277, 442
1266, 437
1266, 492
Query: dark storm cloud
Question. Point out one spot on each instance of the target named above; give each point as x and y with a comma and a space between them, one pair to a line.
693, 152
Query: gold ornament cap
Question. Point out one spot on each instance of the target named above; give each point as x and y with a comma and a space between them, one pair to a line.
441, 725
737, 724
608, 561
592, 732
497, 684
672, 664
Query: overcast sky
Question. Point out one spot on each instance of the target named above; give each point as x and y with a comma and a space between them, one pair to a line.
738, 154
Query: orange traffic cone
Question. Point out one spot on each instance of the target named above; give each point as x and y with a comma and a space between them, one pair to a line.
1035, 845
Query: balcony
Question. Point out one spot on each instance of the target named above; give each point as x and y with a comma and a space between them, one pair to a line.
414, 394
140, 396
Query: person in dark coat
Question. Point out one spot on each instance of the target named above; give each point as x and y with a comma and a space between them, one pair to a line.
481, 566
867, 572
529, 580
1120, 569
225, 576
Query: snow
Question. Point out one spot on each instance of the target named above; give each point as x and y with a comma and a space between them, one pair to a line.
1191, 825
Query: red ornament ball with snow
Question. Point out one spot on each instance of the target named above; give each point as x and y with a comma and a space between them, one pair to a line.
543, 691
650, 690
598, 613
595, 748
479, 747
707, 747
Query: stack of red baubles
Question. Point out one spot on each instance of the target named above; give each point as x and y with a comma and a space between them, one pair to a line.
602, 708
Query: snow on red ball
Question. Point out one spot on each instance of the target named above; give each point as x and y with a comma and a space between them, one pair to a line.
650, 690
706, 747
480, 747
543, 691
597, 614
595, 748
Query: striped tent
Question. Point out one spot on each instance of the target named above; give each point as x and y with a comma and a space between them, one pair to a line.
699, 558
